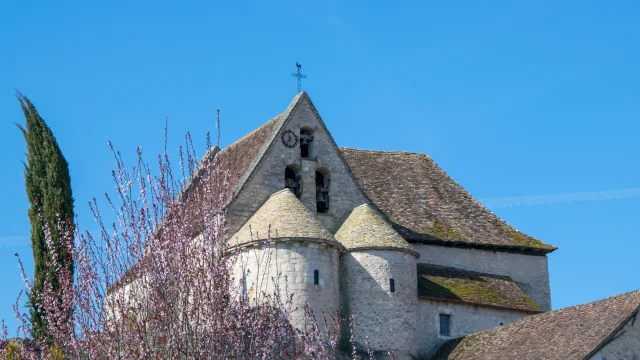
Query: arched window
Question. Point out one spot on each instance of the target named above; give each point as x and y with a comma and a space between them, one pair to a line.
316, 277
322, 190
392, 285
306, 142
292, 180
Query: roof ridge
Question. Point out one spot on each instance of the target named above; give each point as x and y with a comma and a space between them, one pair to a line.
571, 307
406, 152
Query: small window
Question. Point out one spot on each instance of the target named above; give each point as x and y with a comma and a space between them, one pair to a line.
316, 277
392, 285
445, 325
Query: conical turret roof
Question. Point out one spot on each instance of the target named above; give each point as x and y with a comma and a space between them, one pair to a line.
365, 229
281, 216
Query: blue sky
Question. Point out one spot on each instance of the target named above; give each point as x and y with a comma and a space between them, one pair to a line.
532, 101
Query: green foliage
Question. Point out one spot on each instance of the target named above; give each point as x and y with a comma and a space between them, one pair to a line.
54, 353
48, 187
11, 352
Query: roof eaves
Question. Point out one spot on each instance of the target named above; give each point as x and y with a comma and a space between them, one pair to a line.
382, 248
276, 240
476, 303
413, 237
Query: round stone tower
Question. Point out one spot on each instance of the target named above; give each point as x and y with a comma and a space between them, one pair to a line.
284, 248
378, 284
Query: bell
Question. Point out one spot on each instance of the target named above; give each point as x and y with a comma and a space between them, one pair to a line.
320, 198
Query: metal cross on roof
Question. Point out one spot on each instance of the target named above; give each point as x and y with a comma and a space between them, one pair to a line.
299, 76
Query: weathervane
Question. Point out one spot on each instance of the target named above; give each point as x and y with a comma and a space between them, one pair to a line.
299, 76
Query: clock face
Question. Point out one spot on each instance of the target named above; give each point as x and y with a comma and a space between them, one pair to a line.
289, 139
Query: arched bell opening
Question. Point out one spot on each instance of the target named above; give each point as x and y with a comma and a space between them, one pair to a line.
323, 182
293, 180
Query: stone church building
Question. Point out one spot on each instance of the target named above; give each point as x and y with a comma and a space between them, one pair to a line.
391, 239
387, 237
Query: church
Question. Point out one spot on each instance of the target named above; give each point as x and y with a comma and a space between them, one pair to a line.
389, 238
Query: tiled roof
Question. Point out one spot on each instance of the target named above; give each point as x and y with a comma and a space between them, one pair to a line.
451, 284
233, 162
239, 156
281, 216
571, 333
425, 204
364, 229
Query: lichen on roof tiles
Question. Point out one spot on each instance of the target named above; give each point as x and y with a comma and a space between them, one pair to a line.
427, 205
281, 216
366, 229
571, 333
447, 283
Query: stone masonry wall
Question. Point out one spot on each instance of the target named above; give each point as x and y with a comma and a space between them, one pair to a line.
292, 265
465, 320
389, 319
530, 272
268, 177
626, 347
130, 295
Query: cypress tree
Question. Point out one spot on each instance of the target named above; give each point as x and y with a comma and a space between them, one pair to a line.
48, 186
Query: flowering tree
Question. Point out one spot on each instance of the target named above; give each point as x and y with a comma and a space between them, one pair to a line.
156, 282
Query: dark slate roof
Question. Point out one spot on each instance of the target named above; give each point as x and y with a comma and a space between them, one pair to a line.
427, 205
451, 284
576, 332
